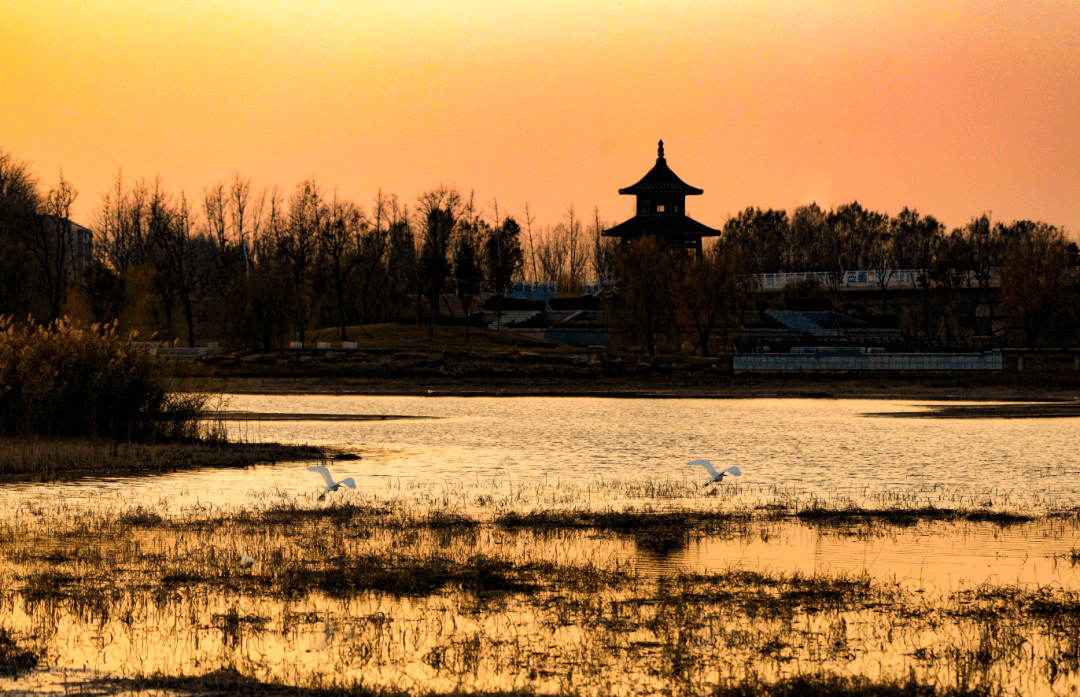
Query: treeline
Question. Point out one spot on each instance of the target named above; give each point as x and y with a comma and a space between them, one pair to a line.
668, 299
852, 237
255, 268
258, 268
1028, 268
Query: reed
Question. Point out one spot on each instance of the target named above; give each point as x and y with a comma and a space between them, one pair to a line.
14, 659
36, 459
64, 380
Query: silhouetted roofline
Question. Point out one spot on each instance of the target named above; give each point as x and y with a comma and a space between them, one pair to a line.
661, 225
661, 180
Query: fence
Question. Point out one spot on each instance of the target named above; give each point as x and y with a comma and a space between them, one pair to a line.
862, 280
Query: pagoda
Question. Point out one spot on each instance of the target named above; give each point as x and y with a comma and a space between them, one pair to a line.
661, 209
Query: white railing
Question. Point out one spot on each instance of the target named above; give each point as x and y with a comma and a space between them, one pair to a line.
544, 290
860, 280
868, 279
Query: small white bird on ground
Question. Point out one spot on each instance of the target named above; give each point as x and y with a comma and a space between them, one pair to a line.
331, 485
246, 562
713, 474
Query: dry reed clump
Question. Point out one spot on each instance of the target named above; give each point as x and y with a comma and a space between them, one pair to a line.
13, 658
62, 380
903, 517
833, 685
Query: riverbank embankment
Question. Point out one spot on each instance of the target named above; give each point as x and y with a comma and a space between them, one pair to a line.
587, 375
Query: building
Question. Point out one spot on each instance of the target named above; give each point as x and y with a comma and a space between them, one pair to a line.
78, 241
661, 209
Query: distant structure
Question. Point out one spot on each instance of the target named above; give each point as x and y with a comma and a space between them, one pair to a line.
661, 209
79, 241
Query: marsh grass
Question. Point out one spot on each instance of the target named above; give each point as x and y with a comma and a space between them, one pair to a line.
13, 658
231, 682
417, 600
32, 459
829, 516
64, 380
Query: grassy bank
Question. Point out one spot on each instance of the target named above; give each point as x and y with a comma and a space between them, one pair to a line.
88, 401
24, 460
406, 360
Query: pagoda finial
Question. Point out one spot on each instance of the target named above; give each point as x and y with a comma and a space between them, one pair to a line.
660, 151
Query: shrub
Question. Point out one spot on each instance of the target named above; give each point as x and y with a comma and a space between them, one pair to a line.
62, 380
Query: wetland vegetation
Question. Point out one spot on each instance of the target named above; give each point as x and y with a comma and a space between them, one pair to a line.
87, 401
518, 588
514, 593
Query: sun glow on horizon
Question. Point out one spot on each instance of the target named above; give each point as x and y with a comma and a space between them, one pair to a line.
953, 108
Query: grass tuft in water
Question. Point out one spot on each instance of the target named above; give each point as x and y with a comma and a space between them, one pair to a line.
13, 658
832, 685
905, 517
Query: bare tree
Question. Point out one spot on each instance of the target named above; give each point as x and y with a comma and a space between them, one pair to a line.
340, 236
576, 254
529, 220
763, 234
551, 252
714, 290
401, 259
438, 212
173, 229
215, 210
297, 242
601, 248
643, 311
850, 230
372, 256
245, 214
1037, 277
19, 201
48, 238
806, 237
19, 197
120, 220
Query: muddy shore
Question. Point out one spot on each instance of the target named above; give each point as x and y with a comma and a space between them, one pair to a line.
522, 373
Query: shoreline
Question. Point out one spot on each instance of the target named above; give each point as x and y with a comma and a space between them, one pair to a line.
951, 388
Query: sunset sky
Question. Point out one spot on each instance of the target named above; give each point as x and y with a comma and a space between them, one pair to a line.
952, 107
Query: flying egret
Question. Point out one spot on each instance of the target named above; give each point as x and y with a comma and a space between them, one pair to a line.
713, 474
331, 485
246, 562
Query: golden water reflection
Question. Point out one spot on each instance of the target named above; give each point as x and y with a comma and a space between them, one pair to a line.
415, 581
594, 611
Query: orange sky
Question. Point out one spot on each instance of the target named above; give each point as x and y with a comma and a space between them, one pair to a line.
953, 107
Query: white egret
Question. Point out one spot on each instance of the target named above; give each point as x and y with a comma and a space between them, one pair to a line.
246, 562
713, 474
331, 485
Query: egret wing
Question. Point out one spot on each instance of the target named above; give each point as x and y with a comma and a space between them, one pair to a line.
707, 465
734, 471
324, 472
348, 481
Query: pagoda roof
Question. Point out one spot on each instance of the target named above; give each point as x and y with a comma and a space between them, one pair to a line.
661, 180
661, 225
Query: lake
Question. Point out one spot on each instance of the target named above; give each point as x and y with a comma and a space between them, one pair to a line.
182, 603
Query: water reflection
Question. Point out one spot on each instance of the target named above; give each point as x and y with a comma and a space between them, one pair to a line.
821, 446
812, 448
607, 612
181, 605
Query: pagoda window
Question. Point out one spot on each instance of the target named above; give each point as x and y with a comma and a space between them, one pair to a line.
660, 208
